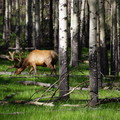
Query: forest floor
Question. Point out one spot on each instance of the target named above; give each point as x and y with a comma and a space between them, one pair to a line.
35, 97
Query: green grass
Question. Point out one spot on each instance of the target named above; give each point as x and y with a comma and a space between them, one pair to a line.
9, 85
30, 112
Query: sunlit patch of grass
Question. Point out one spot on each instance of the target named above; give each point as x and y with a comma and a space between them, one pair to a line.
82, 69
108, 93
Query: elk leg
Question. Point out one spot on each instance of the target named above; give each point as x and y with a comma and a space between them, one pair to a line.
31, 69
55, 69
52, 68
34, 68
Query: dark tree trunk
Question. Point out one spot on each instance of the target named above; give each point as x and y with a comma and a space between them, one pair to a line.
51, 23
28, 23
103, 50
56, 43
37, 24
114, 41
100, 76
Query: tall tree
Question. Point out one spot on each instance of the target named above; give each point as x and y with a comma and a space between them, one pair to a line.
118, 31
37, 23
6, 29
86, 26
100, 76
56, 23
51, 23
63, 53
82, 22
74, 32
103, 50
28, 32
17, 26
114, 42
10, 15
93, 53
33, 25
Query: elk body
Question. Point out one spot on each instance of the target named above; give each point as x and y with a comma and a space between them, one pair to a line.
47, 58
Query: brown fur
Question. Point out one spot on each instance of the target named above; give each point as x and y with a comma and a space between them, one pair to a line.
47, 58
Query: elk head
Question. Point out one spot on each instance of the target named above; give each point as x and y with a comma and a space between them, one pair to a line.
17, 60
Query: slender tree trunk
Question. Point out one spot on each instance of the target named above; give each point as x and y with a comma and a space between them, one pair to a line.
86, 26
118, 32
6, 32
56, 25
10, 15
4, 5
93, 53
42, 22
28, 23
103, 50
51, 23
17, 26
82, 22
63, 53
37, 23
114, 42
100, 76
33, 25
41, 4
74, 32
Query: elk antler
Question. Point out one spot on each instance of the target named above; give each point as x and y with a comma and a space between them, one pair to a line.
20, 57
11, 57
17, 60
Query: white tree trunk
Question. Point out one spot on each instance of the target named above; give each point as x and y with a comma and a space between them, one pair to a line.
74, 32
63, 63
6, 33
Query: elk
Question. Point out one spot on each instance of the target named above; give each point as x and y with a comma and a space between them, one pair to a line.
17, 60
46, 58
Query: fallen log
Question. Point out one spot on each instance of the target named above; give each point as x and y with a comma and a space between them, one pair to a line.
116, 84
108, 100
40, 103
27, 102
37, 84
51, 104
4, 57
48, 85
